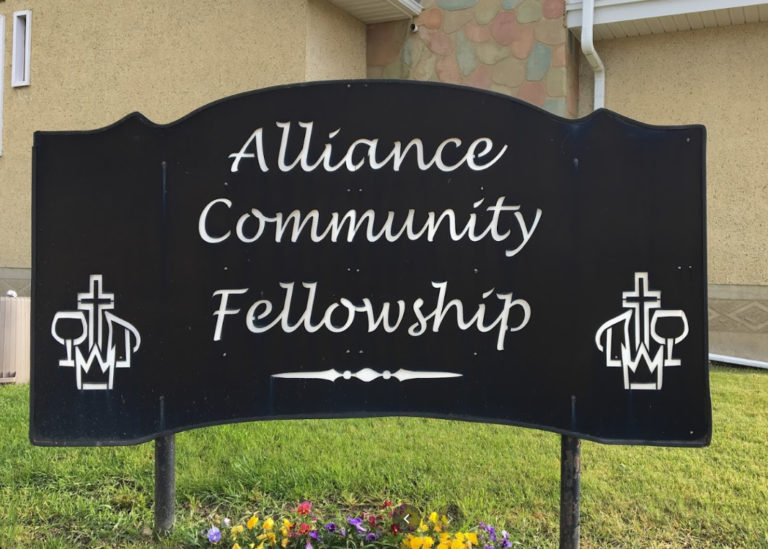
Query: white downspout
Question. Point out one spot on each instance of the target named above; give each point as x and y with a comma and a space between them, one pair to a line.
588, 47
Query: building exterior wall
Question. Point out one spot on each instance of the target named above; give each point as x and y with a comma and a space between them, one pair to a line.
516, 47
335, 43
93, 62
717, 77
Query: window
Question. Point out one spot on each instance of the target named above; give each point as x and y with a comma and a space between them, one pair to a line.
22, 31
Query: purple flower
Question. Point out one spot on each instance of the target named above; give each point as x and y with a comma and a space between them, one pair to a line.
491, 533
314, 535
331, 527
357, 522
214, 535
343, 532
308, 545
371, 537
506, 544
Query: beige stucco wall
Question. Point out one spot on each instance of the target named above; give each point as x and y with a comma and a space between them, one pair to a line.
717, 77
335, 43
94, 61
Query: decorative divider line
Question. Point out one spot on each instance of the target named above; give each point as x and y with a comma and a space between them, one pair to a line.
367, 375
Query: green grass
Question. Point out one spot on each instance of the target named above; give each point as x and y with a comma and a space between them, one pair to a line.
641, 497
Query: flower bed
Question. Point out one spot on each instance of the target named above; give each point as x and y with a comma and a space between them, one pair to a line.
390, 527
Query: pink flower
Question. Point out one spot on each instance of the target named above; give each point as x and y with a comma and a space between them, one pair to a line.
304, 508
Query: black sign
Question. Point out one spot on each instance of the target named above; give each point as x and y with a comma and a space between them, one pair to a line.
367, 249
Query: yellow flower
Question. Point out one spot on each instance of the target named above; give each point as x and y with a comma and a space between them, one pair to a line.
472, 538
415, 542
287, 523
269, 536
445, 537
444, 545
261, 545
236, 546
252, 545
252, 522
237, 529
284, 543
456, 544
423, 527
428, 542
433, 517
268, 524
459, 537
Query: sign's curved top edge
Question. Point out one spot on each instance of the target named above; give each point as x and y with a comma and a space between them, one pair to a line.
139, 118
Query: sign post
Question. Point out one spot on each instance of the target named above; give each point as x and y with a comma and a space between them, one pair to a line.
370, 248
570, 491
165, 482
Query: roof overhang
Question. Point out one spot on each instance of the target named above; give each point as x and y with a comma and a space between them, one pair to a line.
621, 18
380, 11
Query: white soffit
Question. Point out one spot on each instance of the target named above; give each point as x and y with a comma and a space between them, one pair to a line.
379, 11
622, 18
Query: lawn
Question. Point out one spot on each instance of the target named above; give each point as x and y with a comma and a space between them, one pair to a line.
643, 497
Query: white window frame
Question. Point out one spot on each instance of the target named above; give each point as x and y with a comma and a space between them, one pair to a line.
21, 53
2, 76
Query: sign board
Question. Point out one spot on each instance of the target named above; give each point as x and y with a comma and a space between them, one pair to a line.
365, 248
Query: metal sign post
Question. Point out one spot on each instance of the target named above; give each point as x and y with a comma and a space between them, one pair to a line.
570, 491
165, 482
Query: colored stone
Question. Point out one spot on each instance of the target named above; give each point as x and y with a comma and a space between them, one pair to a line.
454, 20
504, 28
477, 33
465, 54
550, 31
523, 42
555, 82
406, 54
553, 9
424, 69
453, 5
555, 106
529, 12
538, 62
558, 56
481, 78
486, 10
383, 44
510, 4
490, 53
436, 41
498, 88
447, 70
510, 72
431, 19
533, 92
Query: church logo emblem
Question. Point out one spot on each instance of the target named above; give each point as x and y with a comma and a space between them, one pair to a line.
96, 341
641, 340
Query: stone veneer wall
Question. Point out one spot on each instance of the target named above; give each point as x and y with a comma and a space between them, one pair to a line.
516, 47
